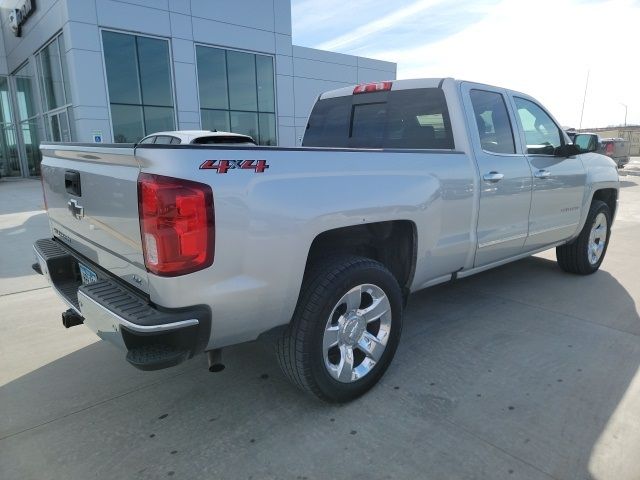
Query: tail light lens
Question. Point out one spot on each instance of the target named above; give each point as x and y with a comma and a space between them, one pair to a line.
609, 148
176, 223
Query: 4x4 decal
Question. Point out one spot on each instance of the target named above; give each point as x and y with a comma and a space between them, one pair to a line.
223, 166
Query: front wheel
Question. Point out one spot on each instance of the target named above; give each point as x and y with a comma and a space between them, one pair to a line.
345, 329
585, 254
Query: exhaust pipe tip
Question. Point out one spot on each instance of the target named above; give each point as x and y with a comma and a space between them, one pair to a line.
214, 357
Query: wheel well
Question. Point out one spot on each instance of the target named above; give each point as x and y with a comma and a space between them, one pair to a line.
608, 196
391, 243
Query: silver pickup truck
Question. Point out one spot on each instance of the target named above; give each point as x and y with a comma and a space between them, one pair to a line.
170, 250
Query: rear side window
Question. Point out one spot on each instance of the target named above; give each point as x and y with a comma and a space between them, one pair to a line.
492, 120
412, 119
164, 140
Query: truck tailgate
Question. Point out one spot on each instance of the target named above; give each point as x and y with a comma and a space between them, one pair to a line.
92, 200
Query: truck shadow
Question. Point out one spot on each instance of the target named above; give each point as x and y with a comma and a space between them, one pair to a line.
17, 244
516, 371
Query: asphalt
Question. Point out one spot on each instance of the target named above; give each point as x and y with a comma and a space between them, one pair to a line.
523, 372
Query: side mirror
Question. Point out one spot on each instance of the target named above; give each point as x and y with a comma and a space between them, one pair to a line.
568, 150
587, 142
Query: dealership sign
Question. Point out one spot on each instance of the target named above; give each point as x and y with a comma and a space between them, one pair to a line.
19, 15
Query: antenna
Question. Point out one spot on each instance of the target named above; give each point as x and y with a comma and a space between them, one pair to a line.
584, 99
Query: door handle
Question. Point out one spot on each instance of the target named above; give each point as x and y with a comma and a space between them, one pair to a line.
492, 177
542, 174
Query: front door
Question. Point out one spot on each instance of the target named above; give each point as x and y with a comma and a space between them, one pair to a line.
505, 176
558, 182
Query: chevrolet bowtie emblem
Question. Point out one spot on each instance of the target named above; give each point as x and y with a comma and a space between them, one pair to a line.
76, 210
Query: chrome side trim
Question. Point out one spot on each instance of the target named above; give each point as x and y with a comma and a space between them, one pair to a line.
502, 240
134, 326
545, 230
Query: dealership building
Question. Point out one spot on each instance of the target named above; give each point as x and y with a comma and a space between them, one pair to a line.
116, 70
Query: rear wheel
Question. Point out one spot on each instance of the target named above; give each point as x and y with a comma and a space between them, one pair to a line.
585, 254
345, 329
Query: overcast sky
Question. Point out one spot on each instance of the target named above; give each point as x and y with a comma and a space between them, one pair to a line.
541, 47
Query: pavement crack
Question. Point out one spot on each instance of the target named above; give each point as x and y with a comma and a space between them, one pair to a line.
24, 291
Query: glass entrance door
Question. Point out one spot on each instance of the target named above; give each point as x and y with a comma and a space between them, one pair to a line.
27, 116
20, 125
9, 157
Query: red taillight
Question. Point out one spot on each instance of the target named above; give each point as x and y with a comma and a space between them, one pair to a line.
176, 223
373, 87
609, 148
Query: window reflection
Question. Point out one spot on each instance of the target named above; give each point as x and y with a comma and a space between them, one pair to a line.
55, 93
139, 83
9, 160
27, 117
237, 93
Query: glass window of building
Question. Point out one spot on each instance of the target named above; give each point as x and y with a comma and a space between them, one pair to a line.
27, 117
55, 94
237, 93
9, 157
139, 82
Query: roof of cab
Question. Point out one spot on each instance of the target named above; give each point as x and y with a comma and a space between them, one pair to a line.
396, 85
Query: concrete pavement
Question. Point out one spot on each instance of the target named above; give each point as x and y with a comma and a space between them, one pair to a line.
521, 372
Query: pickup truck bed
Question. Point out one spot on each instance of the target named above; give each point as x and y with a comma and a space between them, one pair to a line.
168, 250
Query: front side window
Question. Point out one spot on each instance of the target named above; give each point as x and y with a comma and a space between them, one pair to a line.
407, 119
492, 121
139, 82
541, 133
237, 93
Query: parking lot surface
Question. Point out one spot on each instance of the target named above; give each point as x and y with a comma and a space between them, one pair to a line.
520, 372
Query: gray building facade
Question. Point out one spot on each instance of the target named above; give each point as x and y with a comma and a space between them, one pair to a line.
116, 70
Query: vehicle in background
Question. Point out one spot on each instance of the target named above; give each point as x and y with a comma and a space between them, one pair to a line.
167, 251
197, 137
615, 148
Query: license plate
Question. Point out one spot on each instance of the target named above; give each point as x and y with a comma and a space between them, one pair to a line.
88, 276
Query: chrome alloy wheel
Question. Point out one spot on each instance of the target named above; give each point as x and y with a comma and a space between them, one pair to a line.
356, 333
597, 238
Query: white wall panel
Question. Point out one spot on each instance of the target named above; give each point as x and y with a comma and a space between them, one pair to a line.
180, 6
126, 16
181, 26
183, 50
232, 36
185, 82
249, 13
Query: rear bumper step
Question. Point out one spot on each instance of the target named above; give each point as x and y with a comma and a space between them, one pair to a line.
154, 337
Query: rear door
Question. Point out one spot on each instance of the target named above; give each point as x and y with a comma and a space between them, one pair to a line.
558, 182
92, 200
505, 176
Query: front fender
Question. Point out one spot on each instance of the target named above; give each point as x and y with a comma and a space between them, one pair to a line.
602, 173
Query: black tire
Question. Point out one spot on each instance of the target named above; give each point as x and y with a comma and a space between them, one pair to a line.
299, 349
574, 257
